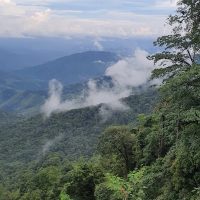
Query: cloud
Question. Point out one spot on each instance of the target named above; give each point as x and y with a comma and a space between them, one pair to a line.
49, 143
39, 2
106, 110
166, 4
22, 18
104, 94
99, 61
8, 8
41, 16
55, 104
132, 71
6, 2
125, 74
92, 96
98, 45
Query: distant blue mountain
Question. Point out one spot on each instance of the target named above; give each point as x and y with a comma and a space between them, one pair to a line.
75, 68
18, 53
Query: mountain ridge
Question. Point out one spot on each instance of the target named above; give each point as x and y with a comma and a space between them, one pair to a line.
71, 69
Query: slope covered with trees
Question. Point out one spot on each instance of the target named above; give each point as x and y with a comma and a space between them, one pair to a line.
76, 130
26, 144
6, 117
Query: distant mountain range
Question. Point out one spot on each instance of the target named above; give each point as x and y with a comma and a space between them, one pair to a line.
18, 53
71, 69
24, 91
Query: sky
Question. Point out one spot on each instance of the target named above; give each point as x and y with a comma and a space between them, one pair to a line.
96, 18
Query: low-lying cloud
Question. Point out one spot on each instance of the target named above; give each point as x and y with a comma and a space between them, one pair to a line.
49, 143
98, 45
125, 74
132, 71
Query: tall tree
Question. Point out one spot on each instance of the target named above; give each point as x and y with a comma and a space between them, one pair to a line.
119, 141
179, 103
179, 67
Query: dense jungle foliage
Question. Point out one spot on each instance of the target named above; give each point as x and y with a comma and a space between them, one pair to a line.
6, 117
26, 144
156, 159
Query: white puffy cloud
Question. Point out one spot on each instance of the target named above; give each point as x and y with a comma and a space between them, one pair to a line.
98, 45
127, 73
133, 71
8, 8
41, 15
54, 101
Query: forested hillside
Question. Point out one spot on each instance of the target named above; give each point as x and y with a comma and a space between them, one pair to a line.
6, 117
77, 129
70, 135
